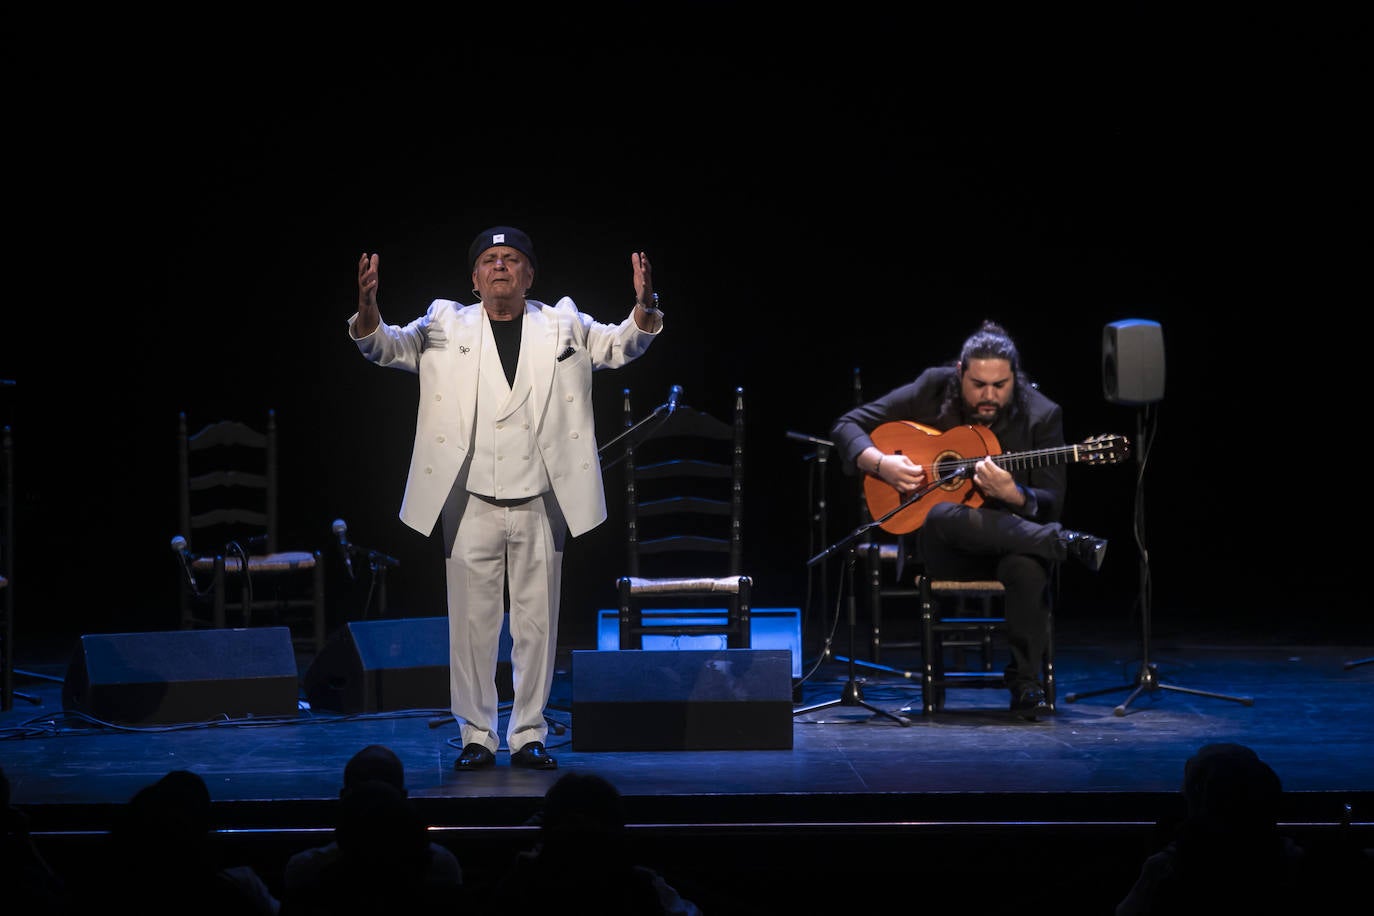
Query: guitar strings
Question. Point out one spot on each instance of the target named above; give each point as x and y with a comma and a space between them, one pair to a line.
1091, 450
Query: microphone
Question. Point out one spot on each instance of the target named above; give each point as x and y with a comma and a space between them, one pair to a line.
673, 394
182, 549
183, 552
376, 556
803, 437
253, 542
345, 548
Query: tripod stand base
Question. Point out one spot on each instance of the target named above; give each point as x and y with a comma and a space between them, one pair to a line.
909, 675
853, 696
35, 676
1148, 680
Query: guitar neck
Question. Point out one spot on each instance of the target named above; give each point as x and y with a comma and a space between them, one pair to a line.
1035, 458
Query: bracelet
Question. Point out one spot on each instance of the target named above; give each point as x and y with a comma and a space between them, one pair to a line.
878, 468
650, 309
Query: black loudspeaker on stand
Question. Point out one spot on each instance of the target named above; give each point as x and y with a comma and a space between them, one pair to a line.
1133, 373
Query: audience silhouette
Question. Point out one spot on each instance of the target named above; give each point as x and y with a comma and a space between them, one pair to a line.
381, 860
583, 857
1227, 854
160, 859
28, 884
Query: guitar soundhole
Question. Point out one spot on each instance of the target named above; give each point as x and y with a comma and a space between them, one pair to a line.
947, 463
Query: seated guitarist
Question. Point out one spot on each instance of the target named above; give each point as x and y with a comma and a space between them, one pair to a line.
1010, 530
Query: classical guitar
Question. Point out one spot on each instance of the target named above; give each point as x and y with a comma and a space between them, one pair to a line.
952, 455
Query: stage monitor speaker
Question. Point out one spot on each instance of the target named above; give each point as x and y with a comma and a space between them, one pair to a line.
1133, 361
390, 664
688, 699
178, 676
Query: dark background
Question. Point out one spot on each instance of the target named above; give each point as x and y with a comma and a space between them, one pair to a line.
820, 194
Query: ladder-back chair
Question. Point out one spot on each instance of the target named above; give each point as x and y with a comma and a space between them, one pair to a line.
684, 508
228, 524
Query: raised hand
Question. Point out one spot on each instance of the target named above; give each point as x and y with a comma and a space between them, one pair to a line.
643, 279
369, 315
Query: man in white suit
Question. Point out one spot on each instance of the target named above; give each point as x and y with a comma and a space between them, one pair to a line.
505, 455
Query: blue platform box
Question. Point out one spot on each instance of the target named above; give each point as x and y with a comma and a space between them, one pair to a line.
769, 628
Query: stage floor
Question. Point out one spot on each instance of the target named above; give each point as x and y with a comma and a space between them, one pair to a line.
852, 781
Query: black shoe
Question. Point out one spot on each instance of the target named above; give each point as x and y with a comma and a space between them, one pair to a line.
1085, 548
1029, 702
533, 756
474, 757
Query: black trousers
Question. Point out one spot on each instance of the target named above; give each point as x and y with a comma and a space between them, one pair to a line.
958, 542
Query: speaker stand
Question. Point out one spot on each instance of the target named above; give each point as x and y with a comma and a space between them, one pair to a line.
1147, 678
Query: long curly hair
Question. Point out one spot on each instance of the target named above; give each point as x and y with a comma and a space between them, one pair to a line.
990, 341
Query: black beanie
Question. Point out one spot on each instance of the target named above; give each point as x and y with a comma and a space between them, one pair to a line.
501, 235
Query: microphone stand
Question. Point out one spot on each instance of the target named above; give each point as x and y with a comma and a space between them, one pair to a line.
822, 526
377, 563
852, 695
7, 672
661, 413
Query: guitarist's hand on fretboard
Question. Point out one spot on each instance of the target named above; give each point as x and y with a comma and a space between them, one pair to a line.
996, 483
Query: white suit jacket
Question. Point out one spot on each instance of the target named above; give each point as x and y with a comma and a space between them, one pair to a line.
443, 347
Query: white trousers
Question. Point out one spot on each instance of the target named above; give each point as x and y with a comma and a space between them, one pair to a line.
492, 543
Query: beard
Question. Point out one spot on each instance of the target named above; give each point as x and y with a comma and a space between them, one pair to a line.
986, 419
